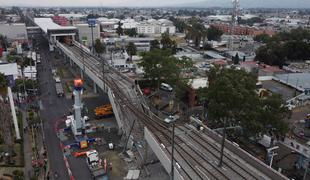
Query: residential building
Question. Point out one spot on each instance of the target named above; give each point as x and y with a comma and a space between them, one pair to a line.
243, 30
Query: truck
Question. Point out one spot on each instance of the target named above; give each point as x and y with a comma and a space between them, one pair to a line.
59, 90
94, 163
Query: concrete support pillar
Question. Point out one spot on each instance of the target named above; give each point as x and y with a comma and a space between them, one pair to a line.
82, 74
70, 62
95, 87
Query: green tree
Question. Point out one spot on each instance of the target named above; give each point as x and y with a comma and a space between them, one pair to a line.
167, 43
18, 175
131, 49
3, 84
119, 29
6, 119
214, 34
3, 42
154, 44
131, 32
196, 31
160, 65
233, 101
99, 47
179, 24
263, 38
27, 83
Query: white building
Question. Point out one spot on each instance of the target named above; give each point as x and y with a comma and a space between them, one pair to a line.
142, 44
14, 32
9, 69
153, 26
85, 33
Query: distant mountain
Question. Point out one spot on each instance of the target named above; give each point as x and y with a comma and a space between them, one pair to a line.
250, 4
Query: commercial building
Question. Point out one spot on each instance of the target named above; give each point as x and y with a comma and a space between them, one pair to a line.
142, 44
14, 32
85, 33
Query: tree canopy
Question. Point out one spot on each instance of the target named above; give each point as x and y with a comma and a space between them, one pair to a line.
196, 31
131, 32
167, 43
154, 44
285, 46
3, 83
161, 65
131, 49
214, 34
119, 29
99, 47
263, 38
232, 97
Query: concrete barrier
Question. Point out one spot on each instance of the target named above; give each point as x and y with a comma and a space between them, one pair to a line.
160, 152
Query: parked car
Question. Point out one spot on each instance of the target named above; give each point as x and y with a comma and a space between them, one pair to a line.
165, 87
171, 118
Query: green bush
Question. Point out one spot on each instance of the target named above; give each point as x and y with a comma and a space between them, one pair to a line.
18, 175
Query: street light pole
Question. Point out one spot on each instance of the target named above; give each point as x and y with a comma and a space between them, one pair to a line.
306, 169
92, 24
92, 39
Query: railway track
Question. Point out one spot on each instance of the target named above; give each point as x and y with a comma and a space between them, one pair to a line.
195, 165
229, 162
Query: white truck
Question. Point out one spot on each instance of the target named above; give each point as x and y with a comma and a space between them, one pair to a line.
58, 86
94, 163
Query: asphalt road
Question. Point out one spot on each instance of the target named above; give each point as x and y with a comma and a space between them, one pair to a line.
53, 108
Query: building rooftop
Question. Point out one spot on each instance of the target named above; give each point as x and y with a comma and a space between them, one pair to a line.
214, 55
199, 83
300, 80
48, 24
9, 69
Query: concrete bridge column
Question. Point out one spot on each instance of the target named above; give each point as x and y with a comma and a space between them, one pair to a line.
82, 73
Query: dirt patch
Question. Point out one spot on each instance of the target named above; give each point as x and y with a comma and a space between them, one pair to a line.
119, 166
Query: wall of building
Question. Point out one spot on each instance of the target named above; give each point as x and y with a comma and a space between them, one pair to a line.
14, 32
243, 30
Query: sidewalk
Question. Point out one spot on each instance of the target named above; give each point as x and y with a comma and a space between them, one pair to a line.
28, 151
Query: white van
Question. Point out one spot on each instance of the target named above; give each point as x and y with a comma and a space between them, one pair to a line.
165, 87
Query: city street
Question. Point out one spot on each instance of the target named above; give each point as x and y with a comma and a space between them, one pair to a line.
53, 108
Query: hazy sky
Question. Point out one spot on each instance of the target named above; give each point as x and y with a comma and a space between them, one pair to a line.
200, 3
